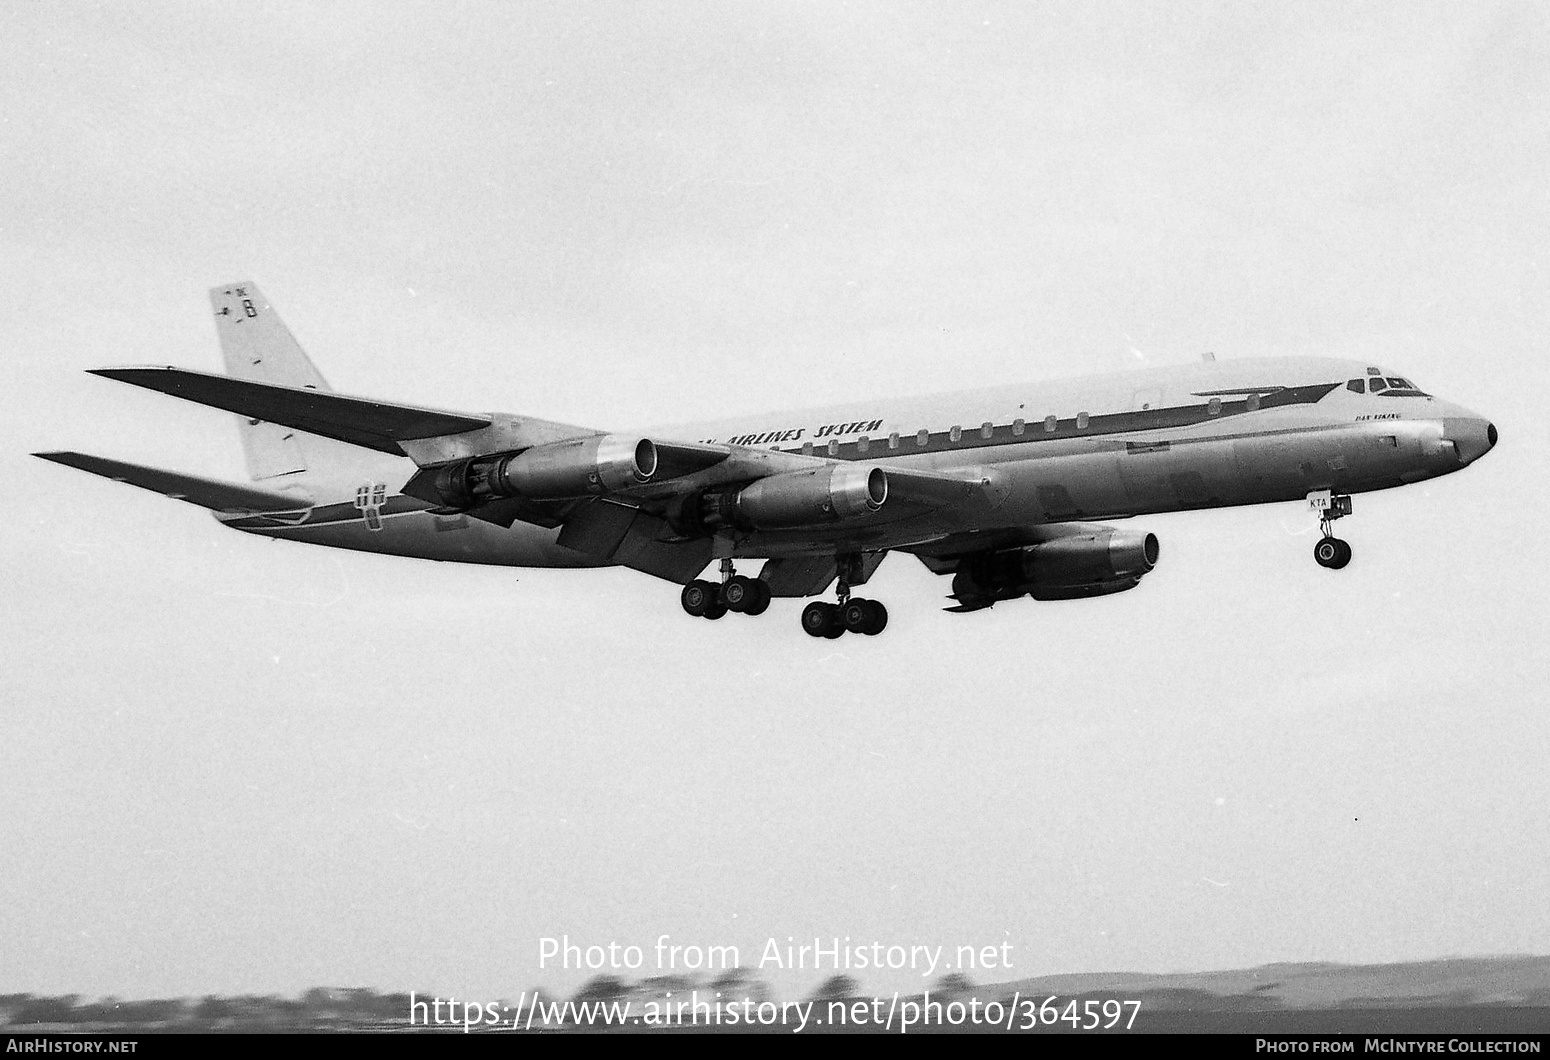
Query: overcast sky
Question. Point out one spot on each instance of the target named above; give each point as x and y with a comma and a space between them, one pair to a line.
231, 765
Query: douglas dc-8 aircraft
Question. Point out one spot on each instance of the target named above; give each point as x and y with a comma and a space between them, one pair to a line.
998, 488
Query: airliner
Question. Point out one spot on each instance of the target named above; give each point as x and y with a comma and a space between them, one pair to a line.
1004, 490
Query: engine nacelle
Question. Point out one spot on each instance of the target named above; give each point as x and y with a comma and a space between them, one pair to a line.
1092, 563
798, 498
555, 471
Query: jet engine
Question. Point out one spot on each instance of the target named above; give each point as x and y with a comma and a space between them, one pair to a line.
796, 498
1089, 563
551, 472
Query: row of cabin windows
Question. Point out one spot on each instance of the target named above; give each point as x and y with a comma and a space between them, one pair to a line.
955, 433
1051, 424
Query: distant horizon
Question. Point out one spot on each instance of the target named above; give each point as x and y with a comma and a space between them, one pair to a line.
705, 978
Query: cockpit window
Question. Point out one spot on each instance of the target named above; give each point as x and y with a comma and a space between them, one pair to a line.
1400, 384
1375, 385
1355, 386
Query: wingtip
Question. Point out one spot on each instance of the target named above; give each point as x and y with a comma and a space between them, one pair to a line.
131, 373
65, 457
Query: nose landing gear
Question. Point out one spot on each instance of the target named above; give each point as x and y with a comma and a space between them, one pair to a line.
1330, 551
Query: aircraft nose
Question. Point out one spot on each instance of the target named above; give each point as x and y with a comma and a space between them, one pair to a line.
1472, 436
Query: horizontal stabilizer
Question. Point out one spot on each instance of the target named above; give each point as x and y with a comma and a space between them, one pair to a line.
205, 492
361, 421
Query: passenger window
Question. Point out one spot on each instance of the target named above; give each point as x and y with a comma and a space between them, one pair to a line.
1050, 423
834, 447
1375, 385
1252, 402
1214, 406
863, 444
1355, 386
893, 440
923, 437
987, 429
1017, 427
1081, 421
807, 448
955, 434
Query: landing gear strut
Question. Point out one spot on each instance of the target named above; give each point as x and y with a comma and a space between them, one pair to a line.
706, 599
1330, 552
851, 614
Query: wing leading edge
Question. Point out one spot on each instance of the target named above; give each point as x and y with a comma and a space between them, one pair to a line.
377, 425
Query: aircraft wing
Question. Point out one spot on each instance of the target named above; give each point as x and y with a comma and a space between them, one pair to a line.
444, 444
376, 425
428, 436
205, 492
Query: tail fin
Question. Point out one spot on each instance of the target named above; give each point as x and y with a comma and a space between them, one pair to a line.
257, 346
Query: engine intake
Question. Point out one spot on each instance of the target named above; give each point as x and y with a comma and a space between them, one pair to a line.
1092, 563
551, 472
798, 498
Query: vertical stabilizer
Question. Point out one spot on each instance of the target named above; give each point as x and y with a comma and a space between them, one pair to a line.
258, 346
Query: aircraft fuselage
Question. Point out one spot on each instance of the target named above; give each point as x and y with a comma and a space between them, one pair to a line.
1104, 447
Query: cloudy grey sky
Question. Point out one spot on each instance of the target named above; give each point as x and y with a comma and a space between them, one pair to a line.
228, 764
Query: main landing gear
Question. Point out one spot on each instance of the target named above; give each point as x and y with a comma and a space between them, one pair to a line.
850, 615
705, 599
1330, 552
751, 596
821, 619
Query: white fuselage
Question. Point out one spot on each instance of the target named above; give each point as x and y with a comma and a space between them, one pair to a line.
1102, 447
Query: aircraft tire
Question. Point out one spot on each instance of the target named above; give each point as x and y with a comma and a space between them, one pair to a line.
1328, 551
738, 594
819, 618
761, 598
877, 620
1344, 557
857, 615
697, 597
